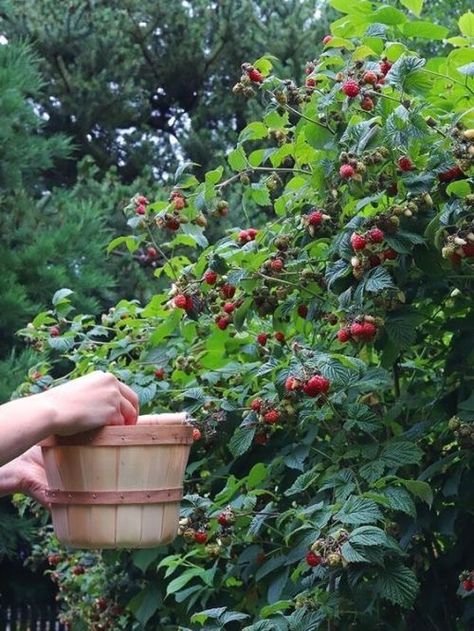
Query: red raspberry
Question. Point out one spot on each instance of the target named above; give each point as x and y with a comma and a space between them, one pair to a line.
385, 66
196, 434
375, 235
313, 559
468, 250
223, 520
276, 265
370, 330
343, 335
141, 199
468, 585
367, 104
280, 337
255, 75
172, 224
405, 164
271, 417
358, 242
101, 604
357, 329
180, 301
200, 536
451, 174
228, 291
389, 254
455, 259
54, 559
310, 82
346, 171
256, 405
370, 77
244, 236
302, 311
292, 384
316, 385
210, 277
140, 210
189, 303
327, 39
223, 322
315, 218
77, 570
252, 232
151, 251
54, 331
262, 339
179, 203
375, 260
160, 373
229, 307
350, 88
261, 438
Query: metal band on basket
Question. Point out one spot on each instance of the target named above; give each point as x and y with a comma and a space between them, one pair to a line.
160, 496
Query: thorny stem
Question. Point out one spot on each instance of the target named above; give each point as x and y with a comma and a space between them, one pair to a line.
300, 114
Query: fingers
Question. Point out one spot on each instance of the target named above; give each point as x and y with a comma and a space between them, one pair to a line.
128, 412
130, 395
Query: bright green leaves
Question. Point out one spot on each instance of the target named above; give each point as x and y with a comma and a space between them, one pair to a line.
424, 30
237, 159
415, 6
466, 24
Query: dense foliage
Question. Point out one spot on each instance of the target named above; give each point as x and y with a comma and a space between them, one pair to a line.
327, 355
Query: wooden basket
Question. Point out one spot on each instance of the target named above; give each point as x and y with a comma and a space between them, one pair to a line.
119, 486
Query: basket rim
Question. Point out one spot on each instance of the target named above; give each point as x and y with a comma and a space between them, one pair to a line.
126, 435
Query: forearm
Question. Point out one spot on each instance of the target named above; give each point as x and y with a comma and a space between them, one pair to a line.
23, 423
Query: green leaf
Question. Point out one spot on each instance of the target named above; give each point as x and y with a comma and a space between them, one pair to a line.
415, 6
402, 328
256, 475
351, 555
61, 295
421, 489
400, 500
142, 558
260, 194
461, 188
146, 602
369, 536
302, 482
213, 177
388, 15
280, 605
237, 159
398, 453
397, 584
166, 328
358, 510
253, 131
196, 233
425, 30
466, 24
183, 579
241, 441
264, 65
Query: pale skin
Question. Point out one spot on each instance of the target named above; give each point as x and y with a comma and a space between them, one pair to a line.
82, 404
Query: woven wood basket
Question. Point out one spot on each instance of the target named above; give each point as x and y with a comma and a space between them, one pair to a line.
119, 486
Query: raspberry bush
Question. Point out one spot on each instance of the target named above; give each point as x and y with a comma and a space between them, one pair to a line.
326, 354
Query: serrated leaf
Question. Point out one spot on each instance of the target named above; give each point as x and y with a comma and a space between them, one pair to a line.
377, 279
398, 453
237, 159
400, 500
397, 584
351, 555
358, 510
369, 536
423, 29
253, 131
420, 489
302, 482
241, 440
402, 328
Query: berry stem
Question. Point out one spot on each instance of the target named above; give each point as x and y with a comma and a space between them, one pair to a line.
158, 249
250, 170
301, 115
448, 79
287, 282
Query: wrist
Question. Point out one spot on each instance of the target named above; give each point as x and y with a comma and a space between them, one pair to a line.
9, 479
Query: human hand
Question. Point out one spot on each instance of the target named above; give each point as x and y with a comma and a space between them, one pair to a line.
26, 475
90, 402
